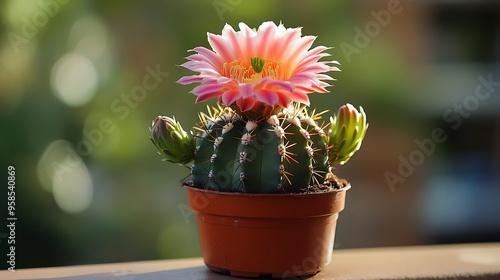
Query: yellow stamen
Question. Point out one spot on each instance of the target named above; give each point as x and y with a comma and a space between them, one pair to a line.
245, 73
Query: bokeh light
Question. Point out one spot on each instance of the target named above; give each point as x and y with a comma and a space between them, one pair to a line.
74, 79
62, 172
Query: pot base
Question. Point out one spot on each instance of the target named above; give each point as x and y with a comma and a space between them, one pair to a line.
254, 274
266, 235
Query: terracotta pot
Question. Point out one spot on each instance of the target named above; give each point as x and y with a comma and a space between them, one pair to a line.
262, 235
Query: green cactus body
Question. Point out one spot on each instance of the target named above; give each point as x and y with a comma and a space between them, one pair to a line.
214, 151
297, 163
279, 155
284, 153
320, 150
346, 133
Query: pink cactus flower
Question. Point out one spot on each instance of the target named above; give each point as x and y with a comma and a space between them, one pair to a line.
254, 69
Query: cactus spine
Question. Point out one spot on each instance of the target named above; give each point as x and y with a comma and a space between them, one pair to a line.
282, 154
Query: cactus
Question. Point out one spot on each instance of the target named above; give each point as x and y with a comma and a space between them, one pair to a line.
284, 153
346, 133
261, 138
171, 140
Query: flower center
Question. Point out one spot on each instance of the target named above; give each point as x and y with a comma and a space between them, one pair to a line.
253, 70
257, 64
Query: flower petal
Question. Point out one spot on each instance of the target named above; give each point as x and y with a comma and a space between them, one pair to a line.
286, 85
283, 98
220, 47
246, 104
299, 96
267, 96
248, 35
212, 56
265, 34
190, 79
207, 88
234, 40
283, 42
300, 47
292, 71
229, 97
200, 57
207, 96
246, 90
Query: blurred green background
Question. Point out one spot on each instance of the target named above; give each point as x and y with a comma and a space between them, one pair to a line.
91, 188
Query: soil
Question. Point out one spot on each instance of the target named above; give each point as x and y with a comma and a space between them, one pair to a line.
333, 184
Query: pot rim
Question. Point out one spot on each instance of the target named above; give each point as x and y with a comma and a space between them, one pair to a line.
345, 188
266, 205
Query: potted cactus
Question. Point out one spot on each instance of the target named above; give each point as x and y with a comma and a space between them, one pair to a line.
261, 182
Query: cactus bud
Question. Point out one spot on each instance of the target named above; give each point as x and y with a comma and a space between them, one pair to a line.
346, 133
172, 141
